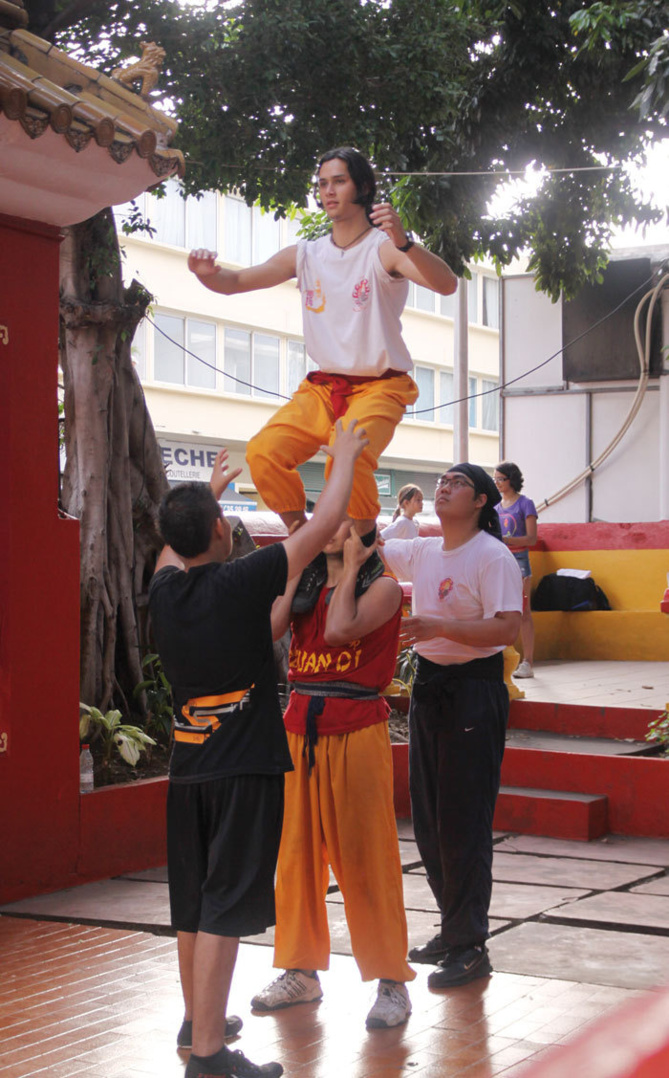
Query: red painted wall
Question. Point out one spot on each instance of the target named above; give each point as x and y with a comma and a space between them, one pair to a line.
636, 786
39, 581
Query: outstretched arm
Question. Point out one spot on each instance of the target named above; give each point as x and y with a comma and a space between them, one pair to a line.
277, 269
349, 618
417, 264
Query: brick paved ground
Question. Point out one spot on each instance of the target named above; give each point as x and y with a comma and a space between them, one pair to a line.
80, 1001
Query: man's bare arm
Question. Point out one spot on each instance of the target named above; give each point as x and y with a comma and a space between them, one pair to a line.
417, 264
309, 540
349, 618
277, 269
480, 632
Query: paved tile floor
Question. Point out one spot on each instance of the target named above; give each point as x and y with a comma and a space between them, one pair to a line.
89, 1002
619, 684
89, 982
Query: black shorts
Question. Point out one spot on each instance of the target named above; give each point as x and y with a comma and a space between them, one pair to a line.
222, 847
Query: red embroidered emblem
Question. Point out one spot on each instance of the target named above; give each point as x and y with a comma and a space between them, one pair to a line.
445, 587
361, 294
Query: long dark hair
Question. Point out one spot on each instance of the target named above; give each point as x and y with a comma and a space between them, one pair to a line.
360, 171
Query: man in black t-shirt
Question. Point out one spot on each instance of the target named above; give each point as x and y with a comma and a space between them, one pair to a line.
211, 621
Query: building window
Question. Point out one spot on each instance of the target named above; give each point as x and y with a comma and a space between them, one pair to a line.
490, 404
447, 305
424, 406
446, 396
251, 236
251, 364
172, 363
425, 298
298, 365
473, 399
183, 222
490, 302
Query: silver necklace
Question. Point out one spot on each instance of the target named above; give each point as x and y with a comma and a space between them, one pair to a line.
345, 246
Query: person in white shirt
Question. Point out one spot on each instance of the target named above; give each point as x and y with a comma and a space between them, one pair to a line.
354, 284
467, 601
403, 524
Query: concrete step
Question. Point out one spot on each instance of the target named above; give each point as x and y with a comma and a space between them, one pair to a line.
581, 720
547, 741
556, 813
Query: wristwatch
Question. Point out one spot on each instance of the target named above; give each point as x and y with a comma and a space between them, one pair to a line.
406, 246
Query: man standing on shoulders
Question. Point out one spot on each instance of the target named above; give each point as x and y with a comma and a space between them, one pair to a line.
353, 284
339, 799
212, 625
466, 608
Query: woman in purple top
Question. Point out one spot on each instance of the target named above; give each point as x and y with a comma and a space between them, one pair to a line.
518, 520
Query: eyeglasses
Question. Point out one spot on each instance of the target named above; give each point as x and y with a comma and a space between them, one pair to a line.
455, 482
500, 479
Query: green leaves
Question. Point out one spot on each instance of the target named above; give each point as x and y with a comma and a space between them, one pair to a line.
263, 87
128, 740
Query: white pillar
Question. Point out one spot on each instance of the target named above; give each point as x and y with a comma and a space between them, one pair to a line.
461, 376
664, 412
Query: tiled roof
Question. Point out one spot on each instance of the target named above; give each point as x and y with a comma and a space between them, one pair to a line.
43, 88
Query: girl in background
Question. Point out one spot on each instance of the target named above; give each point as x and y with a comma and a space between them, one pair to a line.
518, 520
409, 503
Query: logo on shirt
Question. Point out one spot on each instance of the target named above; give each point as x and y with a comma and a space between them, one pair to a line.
361, 294
509, 523
445, 587
314, 300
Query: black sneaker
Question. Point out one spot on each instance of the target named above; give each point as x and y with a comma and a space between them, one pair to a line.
227, 1064
309, 587
233, 1026
461, 966
431, 953
368, 572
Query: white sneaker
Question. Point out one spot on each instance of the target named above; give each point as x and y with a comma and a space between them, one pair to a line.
291, 987
524, 670
392, 1006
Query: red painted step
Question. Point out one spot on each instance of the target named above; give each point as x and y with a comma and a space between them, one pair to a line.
581, 720
558, 814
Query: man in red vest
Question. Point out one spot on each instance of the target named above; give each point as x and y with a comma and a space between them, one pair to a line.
339, 799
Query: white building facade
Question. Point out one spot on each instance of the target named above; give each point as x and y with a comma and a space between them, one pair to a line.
214, 368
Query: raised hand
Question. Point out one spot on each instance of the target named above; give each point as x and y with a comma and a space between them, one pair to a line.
220, 476
355, 552
347, 443
383, 216
202, 263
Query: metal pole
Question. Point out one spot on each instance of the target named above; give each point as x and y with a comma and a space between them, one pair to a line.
461, 375
664, 412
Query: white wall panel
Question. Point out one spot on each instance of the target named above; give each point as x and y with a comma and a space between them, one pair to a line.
545, 436
532, 331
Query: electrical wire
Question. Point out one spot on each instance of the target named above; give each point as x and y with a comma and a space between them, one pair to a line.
643, 352
434, 408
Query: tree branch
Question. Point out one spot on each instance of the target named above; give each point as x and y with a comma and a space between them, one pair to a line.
77, 10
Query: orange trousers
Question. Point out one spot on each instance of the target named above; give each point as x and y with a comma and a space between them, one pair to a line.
298, 430
342, 815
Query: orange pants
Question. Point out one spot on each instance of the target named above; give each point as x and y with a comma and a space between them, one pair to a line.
297, 431
343, 815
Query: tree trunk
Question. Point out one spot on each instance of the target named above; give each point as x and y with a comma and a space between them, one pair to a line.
114, 476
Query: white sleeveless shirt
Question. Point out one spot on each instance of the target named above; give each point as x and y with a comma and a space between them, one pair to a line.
351, 307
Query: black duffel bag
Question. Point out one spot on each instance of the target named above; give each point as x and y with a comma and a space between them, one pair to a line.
555, 592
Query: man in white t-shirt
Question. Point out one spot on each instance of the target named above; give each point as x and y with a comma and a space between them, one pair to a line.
353, 284
467, 602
